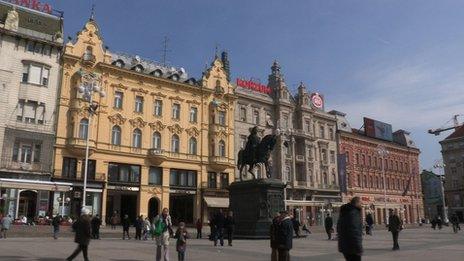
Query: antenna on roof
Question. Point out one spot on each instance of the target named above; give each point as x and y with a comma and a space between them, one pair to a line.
92, 13
216, 47
165, 50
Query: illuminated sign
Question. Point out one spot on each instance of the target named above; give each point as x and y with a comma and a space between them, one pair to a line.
34, 4
317, 101
255, 86
378, 129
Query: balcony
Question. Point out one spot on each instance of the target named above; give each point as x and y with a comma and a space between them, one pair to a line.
88, 59
9, 164
157, 156
77, 146
219, 163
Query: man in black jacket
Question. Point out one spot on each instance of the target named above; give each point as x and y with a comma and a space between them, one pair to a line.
395, 225
82, 229
284, 236
369, 223
328, 223
96, 223
219, 222
350, 229
230, 224
125, 227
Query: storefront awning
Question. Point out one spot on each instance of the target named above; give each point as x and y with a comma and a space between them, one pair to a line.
35, 185
214, 202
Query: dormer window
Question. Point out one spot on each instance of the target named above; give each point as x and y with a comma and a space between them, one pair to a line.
88, 56
157, 73
174, 77
119, 63
138, 68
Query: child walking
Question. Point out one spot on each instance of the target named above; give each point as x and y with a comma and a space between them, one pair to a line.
181, 243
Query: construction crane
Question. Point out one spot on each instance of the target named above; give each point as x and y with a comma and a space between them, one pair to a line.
445, 127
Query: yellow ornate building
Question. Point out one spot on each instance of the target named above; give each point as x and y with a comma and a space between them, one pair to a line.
157, 139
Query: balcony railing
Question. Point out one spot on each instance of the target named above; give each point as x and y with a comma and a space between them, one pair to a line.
9, 164
88, 59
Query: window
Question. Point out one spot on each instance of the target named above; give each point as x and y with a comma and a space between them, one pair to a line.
222, 118
332, 157
116, 135
212, 180
375, 162
193, 146
243, 141
359, 180
30, 46
38, 48
222, 148
155, 176
30, 112
331, 134
363, 159
347, 156
35, 74
308, 126
243, 114
269, 122
156, 142
193, 114
37, 152
324, 155
139, 104
176, 111
325, 178
357, 159
175, 143
69, 168
83, 128
158, 108
183, 178
256, 117
321, 132
369, 160
224, 180
118, 96
91, 168
365, 181
123, 173
285, 122
137, 138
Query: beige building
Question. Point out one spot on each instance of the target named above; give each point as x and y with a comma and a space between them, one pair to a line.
158, 138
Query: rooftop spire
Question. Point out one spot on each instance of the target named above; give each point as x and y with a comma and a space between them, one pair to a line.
92, 13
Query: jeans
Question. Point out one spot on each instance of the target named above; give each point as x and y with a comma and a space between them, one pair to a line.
162, 251
181, 255
219, 235
125, 233
198, 233
96, 233
76, 252
395, 239
138, 233
352, 257
283, 254
56, 230
230, 236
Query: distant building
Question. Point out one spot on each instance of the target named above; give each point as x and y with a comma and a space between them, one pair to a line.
433, 194
30, 49
361, 169
452, 149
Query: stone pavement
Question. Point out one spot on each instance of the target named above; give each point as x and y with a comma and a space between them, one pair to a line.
421, 244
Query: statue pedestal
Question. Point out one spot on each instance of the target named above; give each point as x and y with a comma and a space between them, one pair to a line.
255, 203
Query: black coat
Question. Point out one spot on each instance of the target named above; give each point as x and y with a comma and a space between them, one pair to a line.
328, 223
394, 223
125, 223
285, 234
229, 223
273, 232
138, 224
96, 223
350, 229
219, 221
82, 230
369, 219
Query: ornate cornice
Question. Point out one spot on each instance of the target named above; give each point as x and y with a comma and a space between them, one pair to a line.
196, 102
117, 119
119, 86
158, 94
139, 90
221, 134
176, 98
157, 126
192, 131
138, 122
176, 129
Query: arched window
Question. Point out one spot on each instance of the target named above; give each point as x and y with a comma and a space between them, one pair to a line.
175, 143
156, 140
88, 56
256, 117
193, 146
116, 135
222, 148
83, 128
137, 138
325, 178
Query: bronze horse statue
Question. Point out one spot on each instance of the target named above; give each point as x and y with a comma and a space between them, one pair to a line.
260, 155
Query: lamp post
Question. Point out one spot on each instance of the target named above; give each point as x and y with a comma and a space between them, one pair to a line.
63, 201
4, 197
441, 166
383, 152
88, 88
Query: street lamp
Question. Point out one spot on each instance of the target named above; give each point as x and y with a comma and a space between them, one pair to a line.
63, 201
383, 152
4, 197
88, 88
441, 166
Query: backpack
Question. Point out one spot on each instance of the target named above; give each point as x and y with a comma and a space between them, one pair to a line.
160, 227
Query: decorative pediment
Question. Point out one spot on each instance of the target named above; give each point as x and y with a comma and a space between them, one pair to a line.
158, 94
157, 126
138, 122
119, 86
176, 129
194, 102
139, 90
222, 134
176, 98
193, 131
83, 112
117, 119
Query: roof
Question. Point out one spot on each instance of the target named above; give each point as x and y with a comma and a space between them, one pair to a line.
458, 133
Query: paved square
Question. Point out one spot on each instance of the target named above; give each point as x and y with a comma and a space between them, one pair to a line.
421, 244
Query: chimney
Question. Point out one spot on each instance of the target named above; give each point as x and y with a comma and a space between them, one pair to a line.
225, 62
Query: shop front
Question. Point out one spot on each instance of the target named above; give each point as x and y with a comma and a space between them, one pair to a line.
213, 201
122, 200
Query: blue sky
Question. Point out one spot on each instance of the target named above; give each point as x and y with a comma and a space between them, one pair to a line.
400, 62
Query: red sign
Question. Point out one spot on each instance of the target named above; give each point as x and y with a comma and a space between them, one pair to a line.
34, 4
255, 86
317, 100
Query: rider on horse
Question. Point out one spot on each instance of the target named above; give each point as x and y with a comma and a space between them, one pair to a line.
252, 143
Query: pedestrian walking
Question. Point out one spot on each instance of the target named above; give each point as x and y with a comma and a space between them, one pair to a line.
125, 227
96, 223
369, 224
82, 236
395, 225
6, 225
199, 226
296, 226
230, 225
305, 227
273, 237
138, 227
181, 242
439, 222
218, 223
114, 220
350, 230
146, 228
162, 232
284, 236
455, 222
56, 226
328, 224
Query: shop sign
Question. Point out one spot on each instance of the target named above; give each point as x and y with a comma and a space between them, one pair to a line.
123, 188
34, 4
255, 86
182, 191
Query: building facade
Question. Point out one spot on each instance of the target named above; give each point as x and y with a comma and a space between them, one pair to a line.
452, 150
370, 174
433, 194
30, 49
158, 138
305, 156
